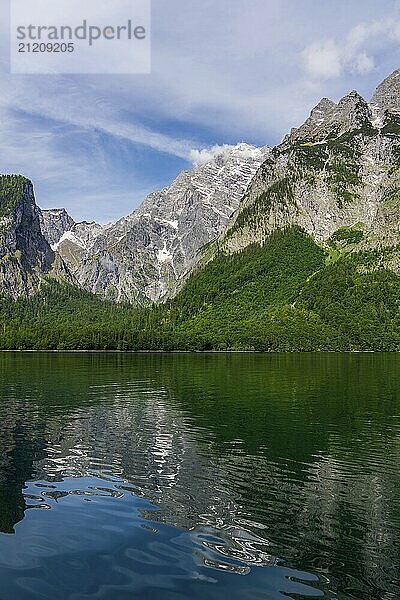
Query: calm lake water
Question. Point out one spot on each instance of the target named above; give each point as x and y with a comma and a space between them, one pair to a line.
235, 476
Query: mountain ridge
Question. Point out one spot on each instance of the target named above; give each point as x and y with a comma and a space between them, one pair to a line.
336, 177
341, 172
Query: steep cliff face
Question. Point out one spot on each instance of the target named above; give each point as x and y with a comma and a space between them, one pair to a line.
338, 171
144, 256
25, 255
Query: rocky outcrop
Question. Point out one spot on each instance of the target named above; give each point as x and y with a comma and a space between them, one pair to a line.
25, 255
76, 244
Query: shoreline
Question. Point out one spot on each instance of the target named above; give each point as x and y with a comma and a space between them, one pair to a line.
204, 351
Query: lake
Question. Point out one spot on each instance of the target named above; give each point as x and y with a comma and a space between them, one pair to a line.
205, 476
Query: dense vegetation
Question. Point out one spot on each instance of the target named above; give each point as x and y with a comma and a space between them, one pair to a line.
12, 188
284, 296
11, 192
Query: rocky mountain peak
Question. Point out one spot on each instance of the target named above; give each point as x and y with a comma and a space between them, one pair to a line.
244, 150
329, 119
54, 223
146, 254
387, 94
351, 101
324, 107
353, 111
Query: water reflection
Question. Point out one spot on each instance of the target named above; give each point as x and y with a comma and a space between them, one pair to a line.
261, 460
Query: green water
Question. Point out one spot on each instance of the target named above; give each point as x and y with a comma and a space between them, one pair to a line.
238, 476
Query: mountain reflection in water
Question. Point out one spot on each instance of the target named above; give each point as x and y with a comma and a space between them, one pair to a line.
280, 468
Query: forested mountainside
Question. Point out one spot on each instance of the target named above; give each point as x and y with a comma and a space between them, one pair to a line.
286, 295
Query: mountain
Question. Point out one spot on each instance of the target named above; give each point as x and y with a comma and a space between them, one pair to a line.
311, 260
307, 259
25, 255
145, 255
338, 170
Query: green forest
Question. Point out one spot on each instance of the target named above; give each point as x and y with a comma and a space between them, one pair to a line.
287, 295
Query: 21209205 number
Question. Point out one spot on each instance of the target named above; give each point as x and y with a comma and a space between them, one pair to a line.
45, 47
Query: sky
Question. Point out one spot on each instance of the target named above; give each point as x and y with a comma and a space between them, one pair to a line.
223, 72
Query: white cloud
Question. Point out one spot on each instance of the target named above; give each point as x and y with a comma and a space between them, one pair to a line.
200, 157
363, 63
331, 58
77, 105
323, 59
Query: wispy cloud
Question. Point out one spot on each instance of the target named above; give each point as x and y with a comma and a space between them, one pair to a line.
76, 104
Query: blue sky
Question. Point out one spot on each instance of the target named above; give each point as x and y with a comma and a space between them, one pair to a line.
223, 71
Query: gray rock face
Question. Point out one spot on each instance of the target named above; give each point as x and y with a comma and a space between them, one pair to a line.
76, 244
143, 257
25, 255
54, 223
